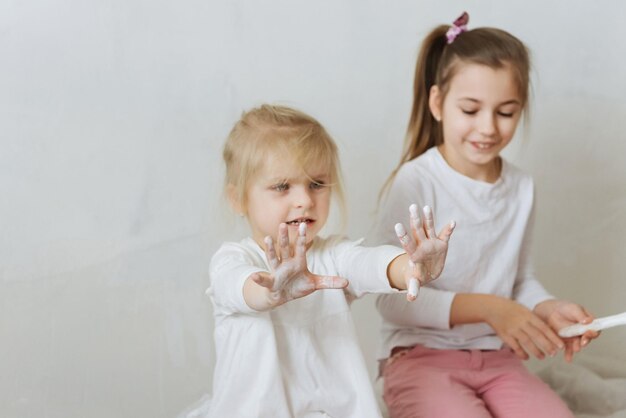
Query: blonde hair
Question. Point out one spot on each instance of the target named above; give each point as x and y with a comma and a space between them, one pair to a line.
437, 64
278, 129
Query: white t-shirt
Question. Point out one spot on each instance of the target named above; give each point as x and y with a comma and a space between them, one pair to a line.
489, 251
301, 359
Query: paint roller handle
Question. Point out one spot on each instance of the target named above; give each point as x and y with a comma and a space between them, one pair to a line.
597, 325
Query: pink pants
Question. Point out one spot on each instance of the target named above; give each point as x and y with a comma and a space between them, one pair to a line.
425, 382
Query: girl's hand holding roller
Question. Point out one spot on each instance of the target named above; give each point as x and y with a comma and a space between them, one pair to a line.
560, 314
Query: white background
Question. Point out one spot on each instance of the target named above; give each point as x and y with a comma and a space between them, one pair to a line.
112, 118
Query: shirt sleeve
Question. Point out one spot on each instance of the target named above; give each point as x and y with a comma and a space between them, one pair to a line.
365, 267
230, 268
431, 309
432, 306
527, 290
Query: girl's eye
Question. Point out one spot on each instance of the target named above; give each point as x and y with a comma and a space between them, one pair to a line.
317, 185
469, 112
280, 187
506, 114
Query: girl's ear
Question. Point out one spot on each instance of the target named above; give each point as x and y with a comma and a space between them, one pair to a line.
234, 200
434, 102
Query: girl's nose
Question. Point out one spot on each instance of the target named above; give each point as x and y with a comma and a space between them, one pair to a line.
303, 198
487, 124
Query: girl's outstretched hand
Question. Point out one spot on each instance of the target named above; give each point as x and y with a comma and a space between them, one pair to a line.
560, 314
426, 250
290, 278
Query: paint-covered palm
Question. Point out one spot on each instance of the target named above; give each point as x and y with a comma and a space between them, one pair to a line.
290, 278
427, 250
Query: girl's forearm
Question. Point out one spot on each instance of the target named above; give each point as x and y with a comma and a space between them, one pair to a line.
396, 271
472, 308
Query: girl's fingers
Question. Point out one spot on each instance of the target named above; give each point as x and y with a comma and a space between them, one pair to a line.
579, 314
329, 282
542, 340
582, 316
589, 315
569, 352
416, 223
412, 289
517, 349
529, 344
406, 240
263, 279
419, 273
588, 336
429, 223
301, 242
270, 253
572, 347
283, 241
447, 231
546, 331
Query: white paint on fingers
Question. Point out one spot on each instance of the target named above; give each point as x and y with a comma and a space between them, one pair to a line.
401, 233
271, 253
414, 214
413, 287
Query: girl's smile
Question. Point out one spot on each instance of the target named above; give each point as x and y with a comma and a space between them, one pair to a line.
483, 145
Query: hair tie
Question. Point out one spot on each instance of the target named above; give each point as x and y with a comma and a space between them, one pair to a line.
458, 27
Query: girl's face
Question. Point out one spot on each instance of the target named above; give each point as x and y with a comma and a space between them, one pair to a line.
282, 192
479, 116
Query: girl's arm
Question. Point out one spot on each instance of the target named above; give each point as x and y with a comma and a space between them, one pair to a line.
516, 325
290, 278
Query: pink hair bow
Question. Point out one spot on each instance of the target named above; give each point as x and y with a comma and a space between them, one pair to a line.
458, 27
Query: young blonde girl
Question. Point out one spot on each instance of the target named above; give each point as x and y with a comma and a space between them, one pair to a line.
284, 337
457, 353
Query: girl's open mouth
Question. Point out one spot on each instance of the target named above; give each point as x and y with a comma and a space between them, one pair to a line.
298, 221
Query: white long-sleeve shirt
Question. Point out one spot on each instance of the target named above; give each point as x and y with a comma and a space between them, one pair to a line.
489, 251
301, 359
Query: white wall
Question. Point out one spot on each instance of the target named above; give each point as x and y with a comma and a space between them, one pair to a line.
112, 118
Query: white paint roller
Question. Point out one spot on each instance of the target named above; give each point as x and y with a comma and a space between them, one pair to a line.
596, 325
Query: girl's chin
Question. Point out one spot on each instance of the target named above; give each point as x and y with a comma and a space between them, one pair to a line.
481, 158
